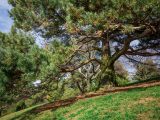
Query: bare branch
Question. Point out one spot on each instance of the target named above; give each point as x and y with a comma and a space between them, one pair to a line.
138, 61
70, 68
145, 54
127, 42
86, 39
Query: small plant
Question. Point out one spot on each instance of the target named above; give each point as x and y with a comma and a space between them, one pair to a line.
121, 81
38, 98
20, 105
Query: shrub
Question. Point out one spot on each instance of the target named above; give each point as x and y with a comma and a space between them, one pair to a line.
20, 105
121, 81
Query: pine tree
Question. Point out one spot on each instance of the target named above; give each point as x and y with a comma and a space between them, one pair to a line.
110, 24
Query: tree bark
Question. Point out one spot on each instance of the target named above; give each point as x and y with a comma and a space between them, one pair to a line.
107, 74
79, 87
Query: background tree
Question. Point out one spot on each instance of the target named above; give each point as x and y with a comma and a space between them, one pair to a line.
111, 24
120, 70
148, 70
15, 62
52, 80
21, 64
14, 59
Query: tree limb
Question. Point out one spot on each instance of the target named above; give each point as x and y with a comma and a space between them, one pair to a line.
70, 68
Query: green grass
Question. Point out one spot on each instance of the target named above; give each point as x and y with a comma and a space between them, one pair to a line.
137, 104
131, 105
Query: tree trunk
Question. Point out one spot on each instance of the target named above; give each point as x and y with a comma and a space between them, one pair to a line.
89, 84
79, 87
107, 74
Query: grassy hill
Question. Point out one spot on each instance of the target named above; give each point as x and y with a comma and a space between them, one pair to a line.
137, 104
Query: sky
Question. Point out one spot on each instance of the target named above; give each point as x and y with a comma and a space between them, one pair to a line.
5, 20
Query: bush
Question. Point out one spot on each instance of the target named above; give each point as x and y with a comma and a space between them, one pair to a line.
121, 81
38, 98
70, 92
20, 105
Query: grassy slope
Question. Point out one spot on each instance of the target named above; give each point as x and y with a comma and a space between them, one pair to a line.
17, 115
135, 104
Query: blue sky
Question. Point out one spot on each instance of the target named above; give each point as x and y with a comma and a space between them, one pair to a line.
5, 20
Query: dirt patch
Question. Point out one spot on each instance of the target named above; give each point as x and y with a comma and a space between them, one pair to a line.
148, 114
158, 103
143, 101
146, 100
144, 116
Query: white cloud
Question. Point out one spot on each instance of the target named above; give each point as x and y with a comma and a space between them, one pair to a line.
4, 5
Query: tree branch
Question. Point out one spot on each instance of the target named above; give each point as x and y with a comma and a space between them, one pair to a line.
138, 61
127, 42
71, 68
144, 54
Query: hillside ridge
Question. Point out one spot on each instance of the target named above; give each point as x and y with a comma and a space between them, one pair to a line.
61, 103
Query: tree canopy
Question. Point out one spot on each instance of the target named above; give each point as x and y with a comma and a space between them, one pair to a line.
107, 27
22, 63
